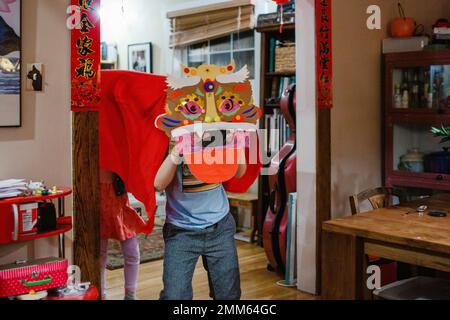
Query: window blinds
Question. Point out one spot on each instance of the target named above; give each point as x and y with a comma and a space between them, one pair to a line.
203, 23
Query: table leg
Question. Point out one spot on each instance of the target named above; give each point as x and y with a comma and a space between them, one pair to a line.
61, 246
61, 237
342, 267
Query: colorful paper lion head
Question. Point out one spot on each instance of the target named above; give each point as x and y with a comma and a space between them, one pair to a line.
218, 97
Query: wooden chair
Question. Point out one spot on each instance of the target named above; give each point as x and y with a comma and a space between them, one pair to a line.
379, 198
249, 203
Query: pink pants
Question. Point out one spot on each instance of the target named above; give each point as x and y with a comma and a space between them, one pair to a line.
131, 255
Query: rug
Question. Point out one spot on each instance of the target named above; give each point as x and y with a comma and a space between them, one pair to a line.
151, 248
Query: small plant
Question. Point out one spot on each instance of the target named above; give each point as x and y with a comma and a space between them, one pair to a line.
443, 133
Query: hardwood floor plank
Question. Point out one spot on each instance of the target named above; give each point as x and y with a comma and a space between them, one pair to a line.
256, 282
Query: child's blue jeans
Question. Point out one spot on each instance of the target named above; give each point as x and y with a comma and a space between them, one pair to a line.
216, 245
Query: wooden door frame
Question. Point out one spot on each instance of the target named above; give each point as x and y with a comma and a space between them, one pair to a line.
314, 156
86, 190
85, 144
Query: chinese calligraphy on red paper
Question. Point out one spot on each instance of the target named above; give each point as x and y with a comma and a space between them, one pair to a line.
86, 57
324, 54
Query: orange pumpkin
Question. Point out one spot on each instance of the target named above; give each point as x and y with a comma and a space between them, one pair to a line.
403, 27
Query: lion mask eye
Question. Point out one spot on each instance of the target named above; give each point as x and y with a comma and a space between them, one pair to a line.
191, 110
229, 107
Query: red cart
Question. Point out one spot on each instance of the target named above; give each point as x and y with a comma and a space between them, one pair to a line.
10, 224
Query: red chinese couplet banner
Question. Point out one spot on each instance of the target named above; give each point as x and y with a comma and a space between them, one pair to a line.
85, 66
324, 54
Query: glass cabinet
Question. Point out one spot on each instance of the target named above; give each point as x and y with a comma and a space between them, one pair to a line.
416, 100
421, 88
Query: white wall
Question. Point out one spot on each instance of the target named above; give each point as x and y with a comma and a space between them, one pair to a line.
145, 21
141, 21
41, 148
307, 145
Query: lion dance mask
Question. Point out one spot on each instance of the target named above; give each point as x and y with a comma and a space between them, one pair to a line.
218, 101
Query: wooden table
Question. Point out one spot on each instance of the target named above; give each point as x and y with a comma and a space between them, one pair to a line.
397, 233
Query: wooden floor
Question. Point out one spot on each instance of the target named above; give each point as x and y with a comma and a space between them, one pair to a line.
257, 283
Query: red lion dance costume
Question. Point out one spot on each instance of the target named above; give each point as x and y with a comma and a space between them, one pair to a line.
132, 146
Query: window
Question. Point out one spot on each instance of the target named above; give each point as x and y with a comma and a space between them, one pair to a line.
238, 46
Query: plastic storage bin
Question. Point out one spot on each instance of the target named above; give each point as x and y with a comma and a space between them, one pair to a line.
419, 288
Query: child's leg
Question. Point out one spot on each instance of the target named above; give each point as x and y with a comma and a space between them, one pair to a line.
182, 250
205, 266
131, 255
104, 256
222, 260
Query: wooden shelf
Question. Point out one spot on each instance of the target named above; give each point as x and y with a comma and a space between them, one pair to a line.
426, 111
418, 59
423, 180
272, 105
276, 28
428, 119
64, 192
281, 74
59, 230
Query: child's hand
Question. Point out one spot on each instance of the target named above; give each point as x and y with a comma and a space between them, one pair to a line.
176, 154
230, 137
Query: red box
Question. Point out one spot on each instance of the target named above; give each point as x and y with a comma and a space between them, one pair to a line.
27, 214
38, 275
6, 224
17, 220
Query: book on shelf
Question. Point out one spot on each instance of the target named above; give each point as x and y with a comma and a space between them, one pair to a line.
277, 132
272, 46
285, 82
291, 241
279, 86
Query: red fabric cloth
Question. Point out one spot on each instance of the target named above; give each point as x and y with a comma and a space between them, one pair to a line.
131, 145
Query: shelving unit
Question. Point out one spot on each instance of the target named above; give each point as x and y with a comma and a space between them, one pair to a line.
280, 74
268, 102
108, 65
407, 127
64, 225
9, 229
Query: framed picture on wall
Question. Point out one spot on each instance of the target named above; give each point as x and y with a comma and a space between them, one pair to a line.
140, 57
10, 63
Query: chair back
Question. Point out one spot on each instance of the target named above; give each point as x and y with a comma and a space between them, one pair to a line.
378, 198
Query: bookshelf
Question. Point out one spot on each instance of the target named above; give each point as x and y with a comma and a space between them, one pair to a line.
272, 83
108, 65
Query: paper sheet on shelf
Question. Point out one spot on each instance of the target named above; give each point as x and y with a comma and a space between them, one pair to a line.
12, 188
4, 195
11, 183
